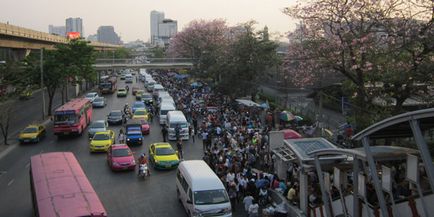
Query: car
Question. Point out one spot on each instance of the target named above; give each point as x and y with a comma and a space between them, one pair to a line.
146, 127
122, 76
99, 102
140, 114
122, 92
32, 133
116, 117
102, 141
97, 126
139, 94
91, 96
147, 98
120, 157
133, 134
162, 156
138, 105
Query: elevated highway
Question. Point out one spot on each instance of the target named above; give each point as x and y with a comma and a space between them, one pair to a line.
105, 64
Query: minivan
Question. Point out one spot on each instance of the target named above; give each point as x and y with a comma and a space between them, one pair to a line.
164, 108
200, 190
174, 119
128, 78
156, 89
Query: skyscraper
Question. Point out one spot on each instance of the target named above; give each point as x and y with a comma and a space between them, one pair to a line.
74, 25
156, 18
57, 30
108, 35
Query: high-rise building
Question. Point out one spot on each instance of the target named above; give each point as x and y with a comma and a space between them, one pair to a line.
167, 29
156, 18
162, 29
108, 35
57, 30
74, 25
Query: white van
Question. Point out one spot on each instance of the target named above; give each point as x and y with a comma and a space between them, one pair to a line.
174, 119
164, 108
201, 191
166, 99
157, 88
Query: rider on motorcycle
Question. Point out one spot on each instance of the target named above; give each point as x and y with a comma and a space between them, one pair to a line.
143, 160
127, 110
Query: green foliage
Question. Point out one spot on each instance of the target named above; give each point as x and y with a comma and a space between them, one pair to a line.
120, 53
158, 52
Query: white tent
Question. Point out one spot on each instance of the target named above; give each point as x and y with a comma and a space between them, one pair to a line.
248, 103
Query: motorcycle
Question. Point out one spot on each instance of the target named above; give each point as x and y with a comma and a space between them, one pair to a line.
143, 171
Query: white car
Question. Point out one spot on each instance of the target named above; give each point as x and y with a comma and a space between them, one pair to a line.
91, 96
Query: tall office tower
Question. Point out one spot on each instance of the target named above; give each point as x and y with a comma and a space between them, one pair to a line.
108, 35
57, 30
74, 25
166, 30
156, 18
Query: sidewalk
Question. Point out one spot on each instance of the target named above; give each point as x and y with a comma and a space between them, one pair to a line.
297, 100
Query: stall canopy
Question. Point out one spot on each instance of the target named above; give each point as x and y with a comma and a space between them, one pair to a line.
248, 103
291, 134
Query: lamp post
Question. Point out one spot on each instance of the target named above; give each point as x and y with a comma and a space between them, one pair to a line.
42, 83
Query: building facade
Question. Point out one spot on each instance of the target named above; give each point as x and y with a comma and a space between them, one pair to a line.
108, 35
74, 25
166, 30
57, 30
156, 18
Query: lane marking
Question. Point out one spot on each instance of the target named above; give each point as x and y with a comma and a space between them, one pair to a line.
28, 165
10, 182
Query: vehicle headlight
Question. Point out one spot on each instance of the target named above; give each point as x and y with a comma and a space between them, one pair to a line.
227, 210
140, 138
128, 139
116, 164
133, 161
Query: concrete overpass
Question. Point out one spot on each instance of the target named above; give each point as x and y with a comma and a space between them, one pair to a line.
167, 65
20, 41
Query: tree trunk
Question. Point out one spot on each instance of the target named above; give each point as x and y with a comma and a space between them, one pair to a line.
51, 94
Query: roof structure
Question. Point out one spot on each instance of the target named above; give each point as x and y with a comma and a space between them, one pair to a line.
303, 147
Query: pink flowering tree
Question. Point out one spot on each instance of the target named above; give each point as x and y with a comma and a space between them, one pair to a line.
203, 41
384, 48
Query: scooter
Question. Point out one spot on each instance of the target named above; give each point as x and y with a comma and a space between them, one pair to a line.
143, 171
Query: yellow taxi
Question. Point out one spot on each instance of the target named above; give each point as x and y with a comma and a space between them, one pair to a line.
140, 114
32, 133
162, 156
102, 141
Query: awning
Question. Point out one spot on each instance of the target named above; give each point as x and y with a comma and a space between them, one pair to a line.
248, 103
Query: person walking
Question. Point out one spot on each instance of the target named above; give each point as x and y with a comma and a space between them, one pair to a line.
191, 132
164, 132
121, 136
179, 147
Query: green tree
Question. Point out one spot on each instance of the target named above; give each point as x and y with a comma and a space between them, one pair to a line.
250, 54
157, 52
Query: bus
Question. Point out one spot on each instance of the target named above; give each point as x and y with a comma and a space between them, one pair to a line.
72, 117
60, 188
108, 85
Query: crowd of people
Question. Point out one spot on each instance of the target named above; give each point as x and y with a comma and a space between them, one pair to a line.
235, 141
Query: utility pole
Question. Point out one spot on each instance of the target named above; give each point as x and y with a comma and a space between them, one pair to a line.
42, 83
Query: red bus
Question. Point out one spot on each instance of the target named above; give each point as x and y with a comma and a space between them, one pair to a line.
73, 117
60, 188
108, 85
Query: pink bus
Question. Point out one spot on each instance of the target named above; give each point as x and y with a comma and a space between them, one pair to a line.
60, 188
73, 117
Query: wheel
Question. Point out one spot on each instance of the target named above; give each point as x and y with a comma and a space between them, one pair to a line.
37, 139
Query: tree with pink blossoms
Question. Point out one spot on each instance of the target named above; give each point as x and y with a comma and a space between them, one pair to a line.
384, 48
203, 41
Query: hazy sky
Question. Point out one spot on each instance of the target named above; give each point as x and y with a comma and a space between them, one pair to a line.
131, 18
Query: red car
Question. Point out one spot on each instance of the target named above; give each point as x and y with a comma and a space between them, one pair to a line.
120, 157
146, 128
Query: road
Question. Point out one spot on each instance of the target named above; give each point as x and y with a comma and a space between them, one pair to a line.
122, 193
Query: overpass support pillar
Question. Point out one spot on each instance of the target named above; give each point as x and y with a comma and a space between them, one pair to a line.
18, 54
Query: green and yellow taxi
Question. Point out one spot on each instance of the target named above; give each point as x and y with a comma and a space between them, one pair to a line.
163, 156
140, 114
102, 141
32, 133
122, 92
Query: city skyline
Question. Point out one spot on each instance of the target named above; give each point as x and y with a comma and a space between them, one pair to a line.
131, 18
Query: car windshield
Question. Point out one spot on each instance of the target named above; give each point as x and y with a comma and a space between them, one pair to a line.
71, 118
147, 96
165, 151
210, 197
140, 112
139, 105
101, 137
122, 152
182, 125
121, 89
90, 95
30, 130
115, 114
99, 99
97, 125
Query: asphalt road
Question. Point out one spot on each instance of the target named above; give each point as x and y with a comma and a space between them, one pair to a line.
122, 193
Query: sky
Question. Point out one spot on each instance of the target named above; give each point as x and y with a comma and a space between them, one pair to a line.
131, 18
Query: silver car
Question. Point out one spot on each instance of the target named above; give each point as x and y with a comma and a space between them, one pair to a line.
99, 102
97, 126
91, 96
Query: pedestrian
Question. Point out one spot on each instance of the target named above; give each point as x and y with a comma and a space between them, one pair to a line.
247, 201
232, 195
254, 209
179, 147
121, 136
178, 132
204, 140
190, 132
164, 132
